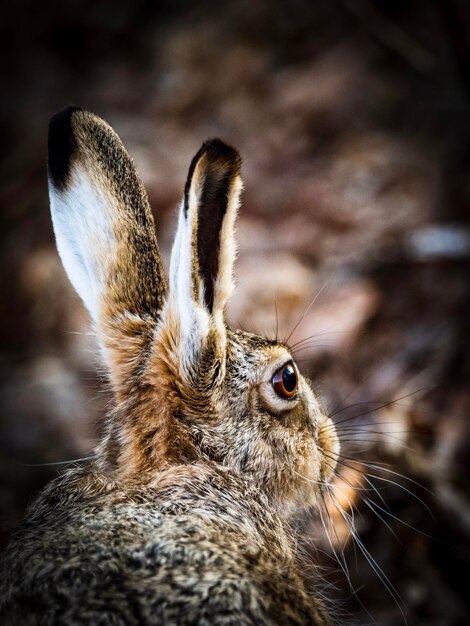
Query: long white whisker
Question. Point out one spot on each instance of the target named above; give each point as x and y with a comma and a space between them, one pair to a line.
392, 482
375, 566
340, 562
349, 521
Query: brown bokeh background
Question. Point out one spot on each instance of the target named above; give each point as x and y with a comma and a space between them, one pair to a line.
353, 120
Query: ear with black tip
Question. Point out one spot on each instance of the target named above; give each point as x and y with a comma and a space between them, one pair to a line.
104, 230
204, 249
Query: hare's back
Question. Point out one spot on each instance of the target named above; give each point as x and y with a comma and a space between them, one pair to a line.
91, 553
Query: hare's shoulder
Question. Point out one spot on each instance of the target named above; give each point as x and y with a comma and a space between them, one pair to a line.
85, 524
85, 504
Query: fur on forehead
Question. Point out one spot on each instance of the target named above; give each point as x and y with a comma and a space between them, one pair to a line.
250, 355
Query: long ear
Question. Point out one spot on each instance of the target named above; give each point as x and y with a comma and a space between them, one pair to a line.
204, 249
105, 235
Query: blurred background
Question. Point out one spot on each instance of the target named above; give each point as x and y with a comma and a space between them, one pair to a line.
353, 120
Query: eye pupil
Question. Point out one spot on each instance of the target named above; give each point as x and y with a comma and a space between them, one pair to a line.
289, 378
285, 381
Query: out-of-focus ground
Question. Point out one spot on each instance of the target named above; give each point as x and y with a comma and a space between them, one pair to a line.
353, 119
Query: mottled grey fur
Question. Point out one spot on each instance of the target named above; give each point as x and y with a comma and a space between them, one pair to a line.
182, 517
211, 551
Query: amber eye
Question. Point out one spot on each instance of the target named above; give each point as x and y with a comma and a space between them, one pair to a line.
285, 381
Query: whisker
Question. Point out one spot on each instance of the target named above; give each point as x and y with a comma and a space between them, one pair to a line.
380, 467
398, 519
374, 565
276, 312
353, 390
351, 406
372, 487
382, 406
84, 458
370, 503
322, 333
341, 461
364, 427
349, 521
302, 349
310, 480
306, 311
340, 562
366, 440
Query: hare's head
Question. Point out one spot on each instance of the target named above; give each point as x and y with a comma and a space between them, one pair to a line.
187, 387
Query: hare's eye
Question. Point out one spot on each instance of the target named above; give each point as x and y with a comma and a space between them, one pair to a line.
285, 381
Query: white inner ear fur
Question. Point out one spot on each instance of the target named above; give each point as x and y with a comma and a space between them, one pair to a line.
193, 317
224, 285
83, 217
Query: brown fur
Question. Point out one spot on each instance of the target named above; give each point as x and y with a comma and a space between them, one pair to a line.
136, 285
182, 518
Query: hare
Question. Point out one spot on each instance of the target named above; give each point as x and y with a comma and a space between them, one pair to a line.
216, 439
